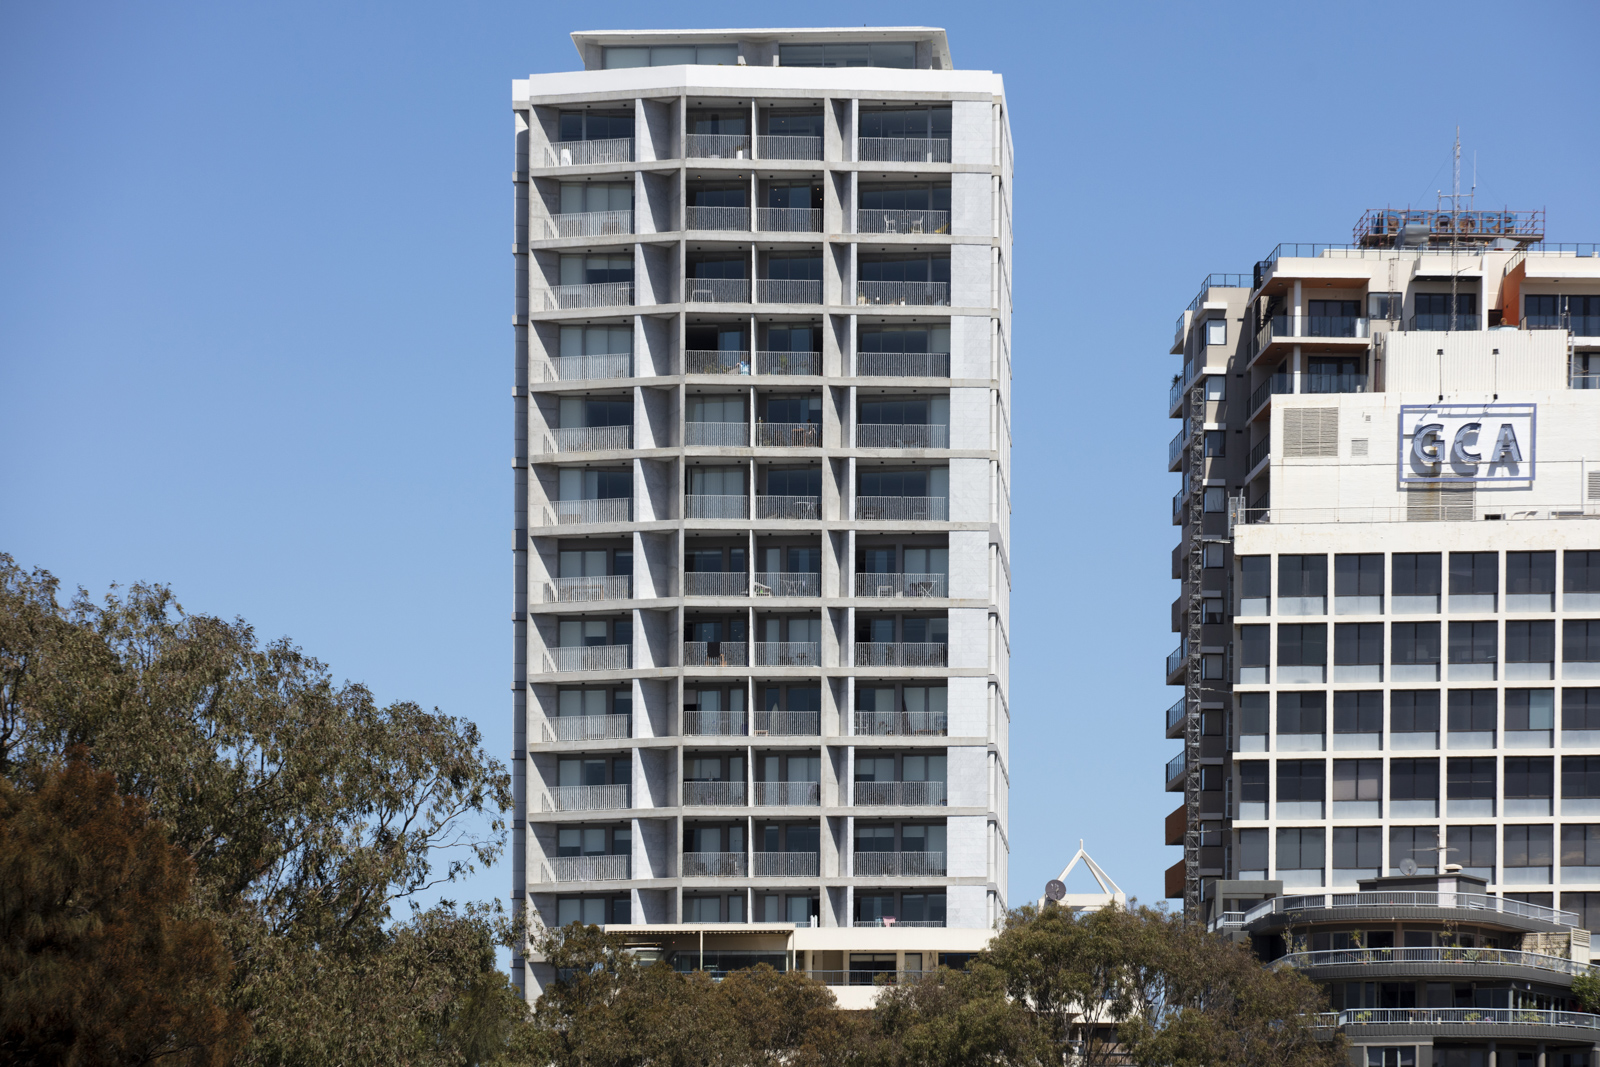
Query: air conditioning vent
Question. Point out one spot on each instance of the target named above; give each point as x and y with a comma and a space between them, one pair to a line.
1311, 432
1594, 485
1437, 503
1358, 446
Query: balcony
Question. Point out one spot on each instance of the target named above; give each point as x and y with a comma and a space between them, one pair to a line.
706, 361
1333, 383
588, 368
900, 794
1176, 713
718, 290
1275, 385
786, 146
585, 798
587, 727
1259, 452
1439, 322
714, 794
588, 589
1448, 959
1281, 328
716, 146
592, 438
589, 868
1175, 448
902, 723
789, 220
900, 865
588, 295
788, 794
786, 865
716, 654
716, 218
1391, 901
716, 583
902, 435
900, 654
716, 435
902, 508
589, 153
713, 723
1173, 774
907, 294
713, 864
585, 512
794, 508
1179, 385
788, 434
1464, 1022
789, 291
1579, 325
1584, 381
716, 506
788, 723
788, 583
788, 654
870, 220
1175, 658
588, 224
902, 585
902, 364
788, 362
903, 149
588, 658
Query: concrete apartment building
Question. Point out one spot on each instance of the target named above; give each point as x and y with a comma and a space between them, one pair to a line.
761, 531
1389, 615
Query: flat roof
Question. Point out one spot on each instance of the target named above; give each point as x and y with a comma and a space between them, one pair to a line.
796, 35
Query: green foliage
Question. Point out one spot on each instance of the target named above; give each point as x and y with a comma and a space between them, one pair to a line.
1586, 987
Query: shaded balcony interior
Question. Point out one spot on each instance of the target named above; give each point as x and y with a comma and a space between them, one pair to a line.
715, 565
891, 709
902, 277
902, 566
715, 492
587, 570
585, 138
788, 420
717, 130
721, 203
885, 639
785, 491
590, 852
589, 494
903, 494
589, 208
593, 422
722, 346
886, 849
886, 907
788, 709
716, 419
902, 207
713, 708
589, 643
714, 779
788, 849
904, 134
902, 418
589, 713
787, 779
788, 640
716, 639
788, 566
586, 782
789, 131
714, 849
888, 778
903, 349
717, 346
717, 276
590, 351
790, 205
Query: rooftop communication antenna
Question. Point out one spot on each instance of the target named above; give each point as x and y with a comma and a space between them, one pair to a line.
1110, 893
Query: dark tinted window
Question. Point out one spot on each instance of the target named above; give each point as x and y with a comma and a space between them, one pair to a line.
1358, 575
1302, 576
1358, 712
1415, 573
1530, 572
1414, 711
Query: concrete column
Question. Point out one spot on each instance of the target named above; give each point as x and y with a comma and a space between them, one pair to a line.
1296, 367
1299, 312
1540, 1061
1494, 1055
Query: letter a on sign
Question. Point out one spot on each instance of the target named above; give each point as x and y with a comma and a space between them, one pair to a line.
1506, 449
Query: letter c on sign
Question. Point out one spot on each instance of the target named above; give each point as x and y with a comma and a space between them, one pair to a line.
1426, 441
1458, 448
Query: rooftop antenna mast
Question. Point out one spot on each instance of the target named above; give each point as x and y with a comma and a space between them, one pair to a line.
1454, 196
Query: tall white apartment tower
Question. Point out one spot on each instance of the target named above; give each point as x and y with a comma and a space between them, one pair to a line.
762, 518
1389, 616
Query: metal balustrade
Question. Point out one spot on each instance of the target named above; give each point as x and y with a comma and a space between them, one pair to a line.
589, 153
713, 723
788, 654
903, 293
592, 438
903, 508
716, 506
788, 583
1461, 1020
788, 434
584, 368
588, 589
715, 654
581, 512
787, 146
1175, 768
888, 921
903, 149
589, 868
788, 794
713, 864
588, 658
789, 219
900, 654
717, 290
799, 508
716, 146
902, 584
716, 434
711, 361
899, 794
716, 218
902, 435
902, 364
789, 291
715, 583
788, 362
1394, 899
876, 220
584, 798
1260, 451
714, 794
586, 295
588, 727
1432, 957
588, 224
902, 723
786, 865
789, 723
899, 864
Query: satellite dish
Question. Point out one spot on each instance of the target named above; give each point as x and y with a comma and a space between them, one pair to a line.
1408, 866
1055, 889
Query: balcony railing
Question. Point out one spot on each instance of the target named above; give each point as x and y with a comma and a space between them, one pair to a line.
1465, 957
1260, 450
1175, 446
1462, 1021
1585, 381
902, 508
589, 868
788, 583
1282, 326
900, 794
715, 654
797, 508
786, 865
903, 364
789, 723
713, 864
786, 146
903, 293
587, 727
1179, 385
886, 921
716, 506
1273, 386
1440, 323
713, 723
583, 368
788, 434
716, 146
581, 512
789, 291
788, 362
900, 654
1176, 713
789, 219
588, 295
708, 361
1174, 769
588, 589
717, 434
585, 798
872, 220
715, 583
717, 290
903, 149
788, 654
899, 864
902, 723
589, 224
1466, 901
589, 153
589, 658
1333, 383
714, 794
788, 794
592, 438
902, 435
716, 218
902, 584
1175, 658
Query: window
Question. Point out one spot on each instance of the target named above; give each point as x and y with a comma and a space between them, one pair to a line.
1414, 779
1358, 644
1255, 577
1529, 846
671, 55
1587, 905
1253, 646
1414, 711
1358, 575
1580, 640
1580, 777
1253, 717
1358, 848
1253, 856
1215, 556
1300, 849
901, 54
1530, 709
1216, 442
1582, 572
1416, 574
1302, 576
1302, 644
593, 270
1302, 713
1357, 780
1217, 386
1211, 666
1531, 642
1529, 777
1415, 643
1420, 843
1474, 573
1474, 642
1384, 305
1303, 781
588, 126
1470, 778
1216, 331
1252, 782
1358, 712
1580, 709
1580, 846
1530, 573
1473, 848
1472, 710
1216, 499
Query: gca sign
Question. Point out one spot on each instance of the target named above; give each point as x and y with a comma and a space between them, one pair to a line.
1454, 443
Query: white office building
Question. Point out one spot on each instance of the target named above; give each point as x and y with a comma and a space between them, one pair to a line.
762, 465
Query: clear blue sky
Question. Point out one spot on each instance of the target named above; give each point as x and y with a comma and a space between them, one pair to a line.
255, 295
